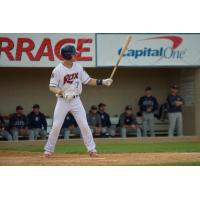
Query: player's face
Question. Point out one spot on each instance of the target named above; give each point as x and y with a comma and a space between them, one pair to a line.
148, 93
36, 110
102, 108
19, 112
174, 91
129, 112
73, 58
94, 111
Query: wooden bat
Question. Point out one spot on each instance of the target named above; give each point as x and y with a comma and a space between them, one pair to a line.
125, 46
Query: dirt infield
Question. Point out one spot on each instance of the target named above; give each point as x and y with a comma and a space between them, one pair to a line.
29, 159
72, 152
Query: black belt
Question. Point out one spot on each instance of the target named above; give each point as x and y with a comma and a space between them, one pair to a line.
75, 96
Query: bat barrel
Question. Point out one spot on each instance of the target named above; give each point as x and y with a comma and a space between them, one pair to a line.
124, 48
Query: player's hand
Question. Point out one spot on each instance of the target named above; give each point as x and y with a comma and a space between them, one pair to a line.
60, 93
67, 96
179, 103
133, 126
149, 110
107, 82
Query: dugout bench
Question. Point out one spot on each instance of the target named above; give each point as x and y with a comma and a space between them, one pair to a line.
161, 127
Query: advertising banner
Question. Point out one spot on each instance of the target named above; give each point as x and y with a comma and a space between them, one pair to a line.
43, 49
149, 50
100, 50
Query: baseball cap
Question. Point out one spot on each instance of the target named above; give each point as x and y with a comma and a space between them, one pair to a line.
174, 87
102, 104
93, 107
36, 106
128, 107
19, 107
148, 88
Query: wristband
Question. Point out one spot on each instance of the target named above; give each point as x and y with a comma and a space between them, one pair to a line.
99, 82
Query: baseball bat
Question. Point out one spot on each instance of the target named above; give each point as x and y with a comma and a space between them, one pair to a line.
125, 46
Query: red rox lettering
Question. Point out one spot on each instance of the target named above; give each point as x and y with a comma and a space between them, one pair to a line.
69, 78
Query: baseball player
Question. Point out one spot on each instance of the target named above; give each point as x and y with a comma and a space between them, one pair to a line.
148, 105
175, 103
128, 123
66, 83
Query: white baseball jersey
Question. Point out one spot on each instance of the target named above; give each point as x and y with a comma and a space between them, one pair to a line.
69, 79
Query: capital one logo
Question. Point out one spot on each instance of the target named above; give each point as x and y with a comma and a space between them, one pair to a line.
173, 51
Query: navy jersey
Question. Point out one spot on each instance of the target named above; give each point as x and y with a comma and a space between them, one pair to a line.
18, 121
37, 120
94, 119
105, 119
2, 123
69, 121
127, 120
171, 100
148, 102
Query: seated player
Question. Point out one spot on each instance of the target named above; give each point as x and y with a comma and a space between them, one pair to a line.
94, 121
37, 123
107, 130
3, 132
128, 123
69, 126
18, 124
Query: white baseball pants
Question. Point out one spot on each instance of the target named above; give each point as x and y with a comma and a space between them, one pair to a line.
75, 106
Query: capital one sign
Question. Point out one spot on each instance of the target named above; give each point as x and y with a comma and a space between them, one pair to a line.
149, 50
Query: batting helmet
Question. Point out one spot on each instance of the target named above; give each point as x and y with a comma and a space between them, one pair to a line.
68, 51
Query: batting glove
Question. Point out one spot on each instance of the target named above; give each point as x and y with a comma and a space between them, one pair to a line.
107, 82
68, 97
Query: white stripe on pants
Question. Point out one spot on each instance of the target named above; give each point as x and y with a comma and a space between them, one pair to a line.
78, 111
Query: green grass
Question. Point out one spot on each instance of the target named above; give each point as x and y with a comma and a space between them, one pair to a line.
113, 146
109, 147
195, 163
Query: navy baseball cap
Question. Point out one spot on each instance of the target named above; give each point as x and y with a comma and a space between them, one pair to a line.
36, 106
102, 105
19, 107
93, 107
128, 107
148, 88
67, 51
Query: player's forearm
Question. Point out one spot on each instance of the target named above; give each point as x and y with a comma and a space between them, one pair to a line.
56, 90
92, 82
95, 82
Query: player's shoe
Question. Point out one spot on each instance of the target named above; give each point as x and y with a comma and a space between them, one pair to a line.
93, 154
47, 154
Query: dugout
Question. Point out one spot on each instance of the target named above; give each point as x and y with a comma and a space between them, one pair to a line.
26, 86
158, 60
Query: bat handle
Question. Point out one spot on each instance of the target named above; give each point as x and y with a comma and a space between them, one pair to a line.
113, 72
